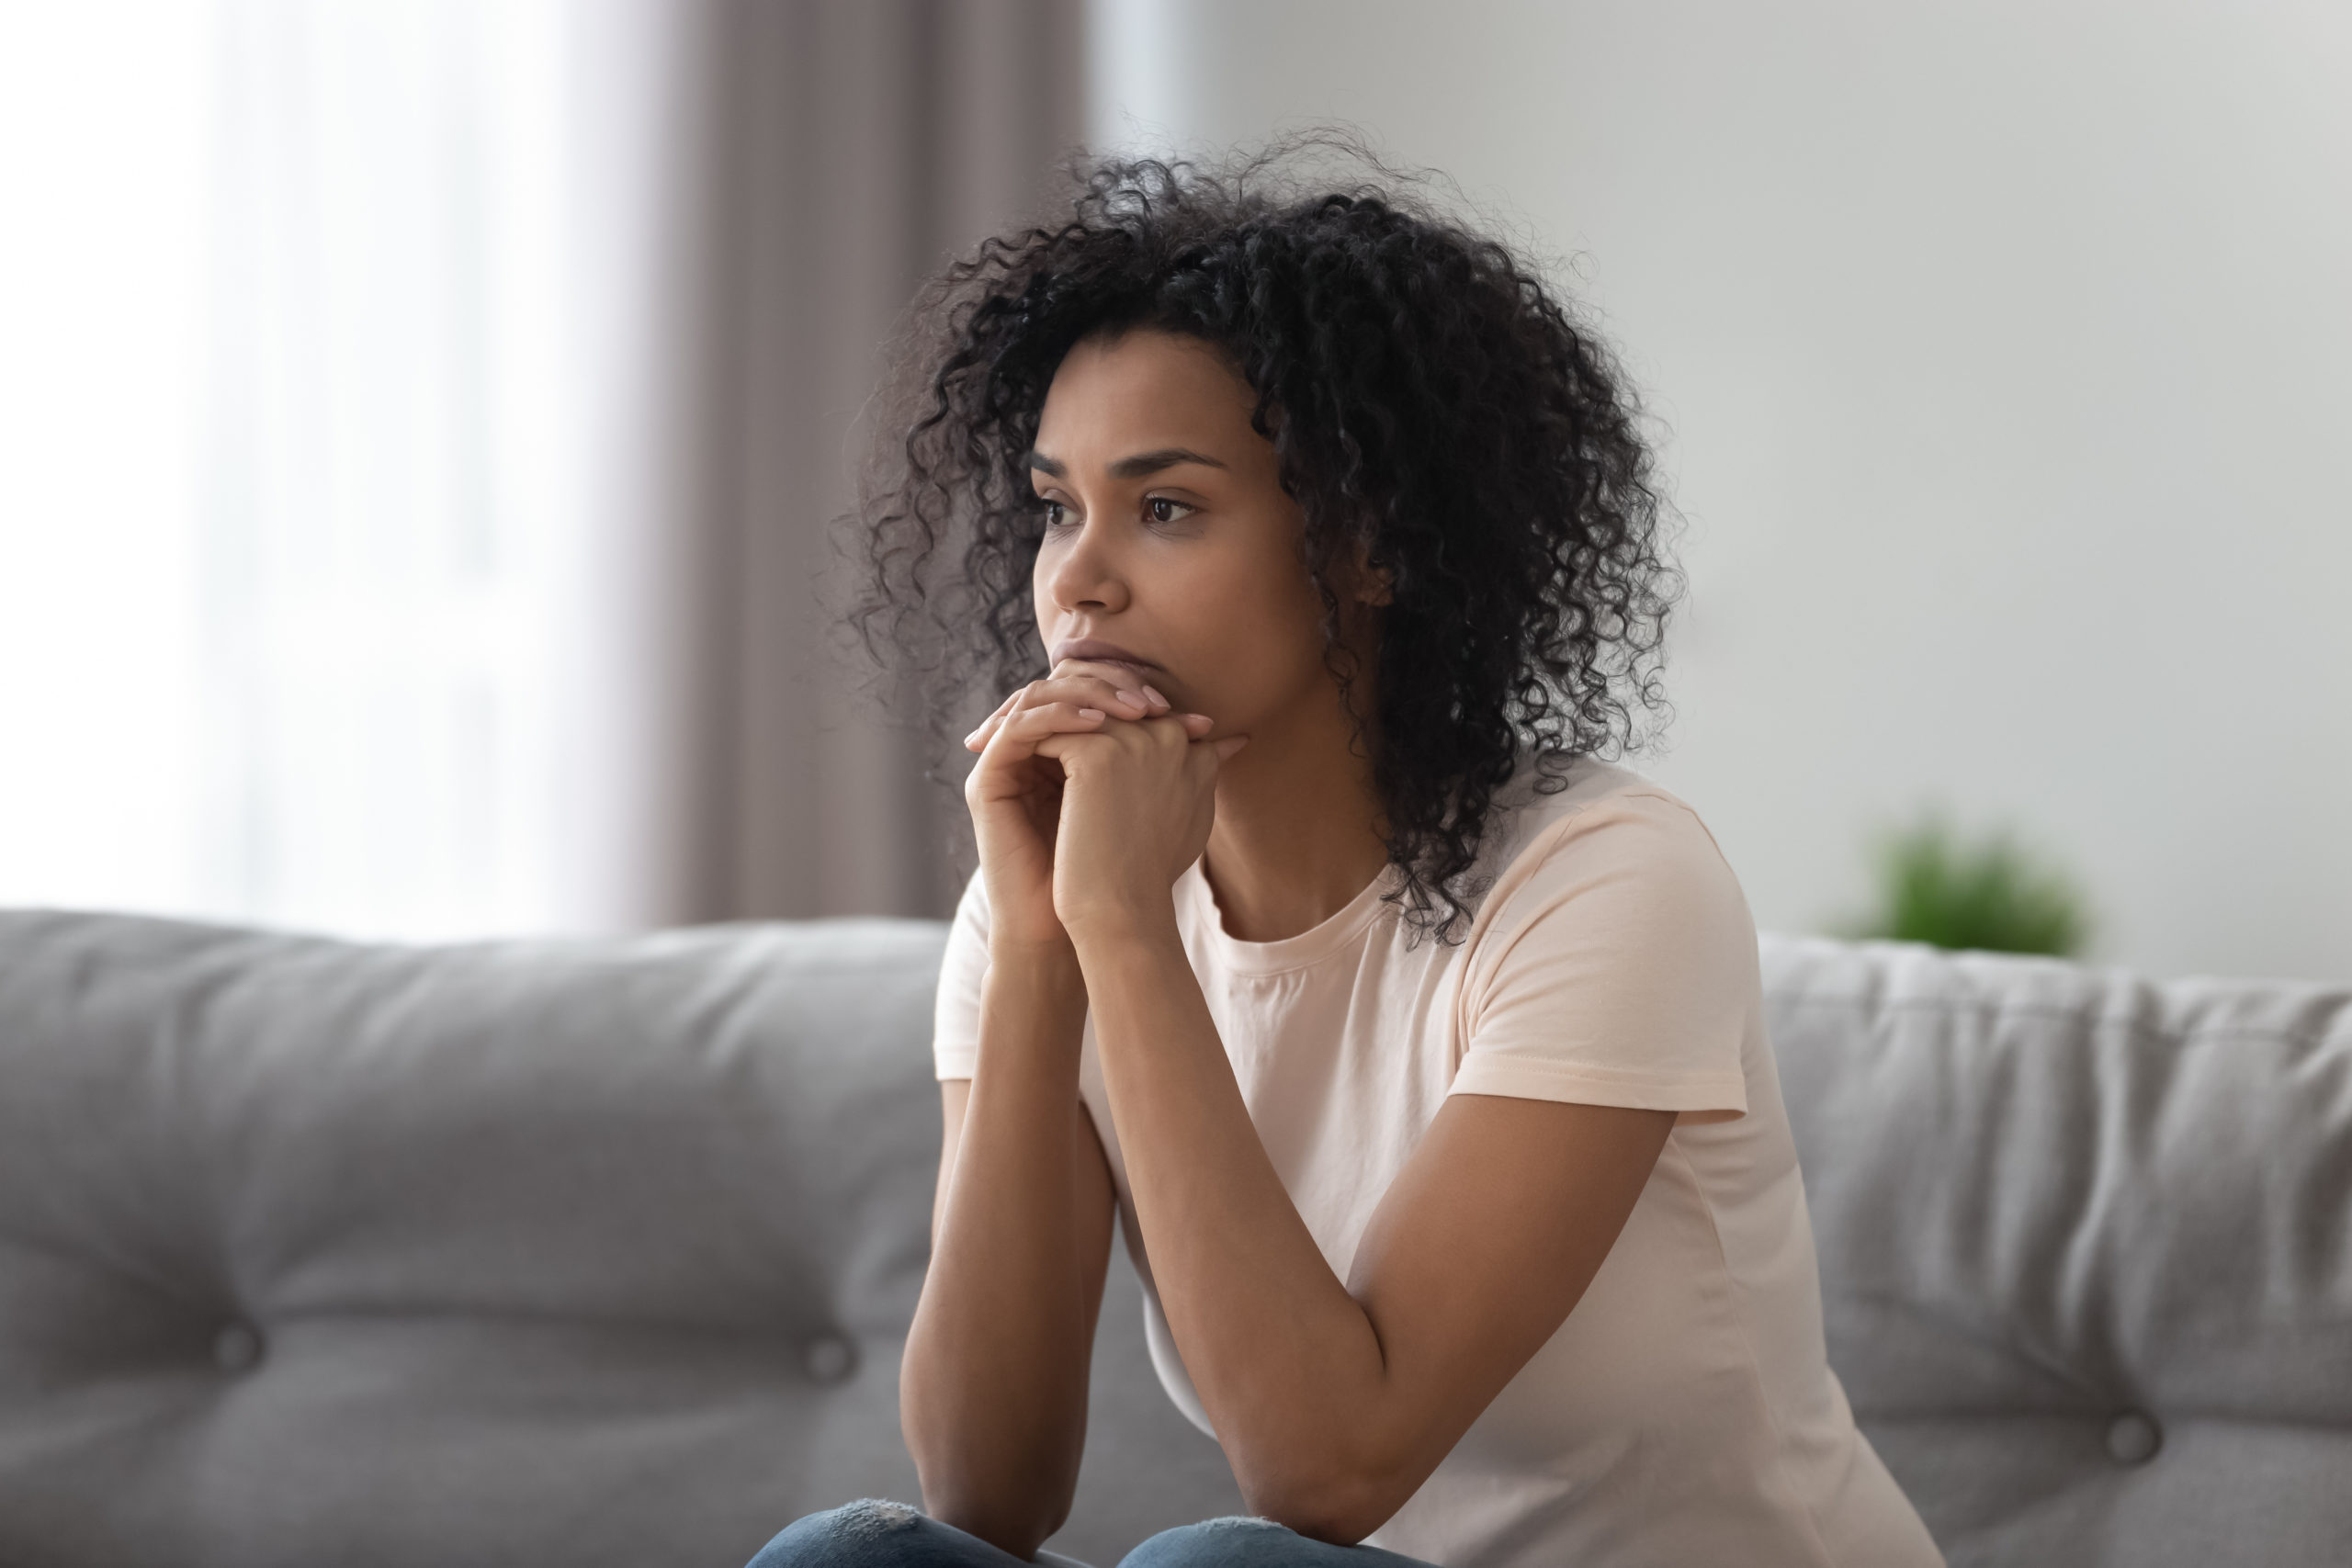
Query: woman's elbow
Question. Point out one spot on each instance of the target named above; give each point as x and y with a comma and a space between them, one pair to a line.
1008, 1524
1330, 1503
1012, 1488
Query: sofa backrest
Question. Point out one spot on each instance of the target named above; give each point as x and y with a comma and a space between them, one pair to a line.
584, 1253
2086, 1247
602, 1253
590, 1253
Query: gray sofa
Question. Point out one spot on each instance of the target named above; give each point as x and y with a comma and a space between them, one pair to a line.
596, 1254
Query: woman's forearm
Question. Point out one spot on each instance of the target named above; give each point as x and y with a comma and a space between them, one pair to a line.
1288, 1365
993, 1391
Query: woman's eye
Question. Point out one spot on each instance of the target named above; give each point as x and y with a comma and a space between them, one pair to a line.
1056, 514
1159, 509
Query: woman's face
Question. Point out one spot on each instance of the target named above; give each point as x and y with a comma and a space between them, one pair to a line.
1170, 543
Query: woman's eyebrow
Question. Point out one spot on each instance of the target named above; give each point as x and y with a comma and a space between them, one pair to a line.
1133, 468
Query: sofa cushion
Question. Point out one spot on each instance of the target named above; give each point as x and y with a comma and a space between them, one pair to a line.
2085, 1247
590, 1253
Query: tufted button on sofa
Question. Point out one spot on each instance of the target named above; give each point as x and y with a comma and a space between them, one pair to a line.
2133, 1437
603, 1253
236, 1347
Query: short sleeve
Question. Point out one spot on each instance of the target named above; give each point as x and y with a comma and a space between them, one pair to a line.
956, 1015
1615, 965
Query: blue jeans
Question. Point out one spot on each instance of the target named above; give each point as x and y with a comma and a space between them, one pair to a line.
872, 1533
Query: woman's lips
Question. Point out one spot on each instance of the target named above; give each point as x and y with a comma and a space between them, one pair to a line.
1089, 650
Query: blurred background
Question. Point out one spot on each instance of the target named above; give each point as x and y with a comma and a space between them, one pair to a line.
421, 422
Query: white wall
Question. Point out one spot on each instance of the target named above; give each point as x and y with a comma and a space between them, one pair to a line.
2004, 353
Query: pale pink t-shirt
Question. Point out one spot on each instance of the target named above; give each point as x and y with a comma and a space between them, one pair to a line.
1685, 1411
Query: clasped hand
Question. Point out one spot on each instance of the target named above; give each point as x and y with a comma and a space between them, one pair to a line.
1092, 797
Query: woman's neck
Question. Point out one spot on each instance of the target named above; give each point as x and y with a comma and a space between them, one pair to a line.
1297, 831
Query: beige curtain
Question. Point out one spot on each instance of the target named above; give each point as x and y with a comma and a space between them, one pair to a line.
848, 148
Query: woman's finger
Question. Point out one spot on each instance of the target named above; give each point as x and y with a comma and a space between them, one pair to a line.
1027, 727
978, 740
1196, 726
1102, 686
1078, 685
1081, 690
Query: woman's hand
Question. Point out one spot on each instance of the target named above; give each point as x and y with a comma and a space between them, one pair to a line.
1137, 802
1015, 793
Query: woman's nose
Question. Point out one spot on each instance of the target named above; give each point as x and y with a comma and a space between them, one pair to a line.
1087, 573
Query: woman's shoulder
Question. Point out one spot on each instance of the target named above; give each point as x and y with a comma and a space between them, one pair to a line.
1614, 961
1593, 825
1541, 812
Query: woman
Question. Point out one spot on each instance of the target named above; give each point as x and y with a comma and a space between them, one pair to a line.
1418, 1050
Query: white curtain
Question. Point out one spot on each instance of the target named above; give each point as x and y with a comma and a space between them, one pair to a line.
385, 550
290, 571
102, 170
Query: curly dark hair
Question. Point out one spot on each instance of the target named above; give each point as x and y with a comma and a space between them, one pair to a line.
1435, 408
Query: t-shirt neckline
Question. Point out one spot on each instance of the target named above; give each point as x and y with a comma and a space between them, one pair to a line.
1310, 946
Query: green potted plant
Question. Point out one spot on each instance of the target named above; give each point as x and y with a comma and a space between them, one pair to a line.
1988, 891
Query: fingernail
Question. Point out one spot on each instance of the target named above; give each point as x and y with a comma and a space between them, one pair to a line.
1154, 694
974, 735
1133, 699
1089, 712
